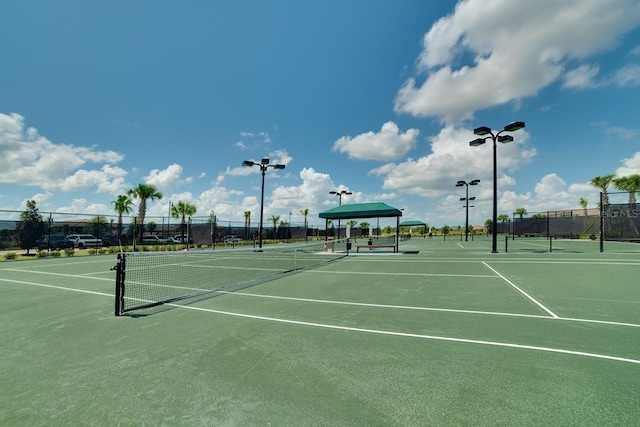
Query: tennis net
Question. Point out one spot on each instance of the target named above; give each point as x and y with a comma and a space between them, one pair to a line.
147, 279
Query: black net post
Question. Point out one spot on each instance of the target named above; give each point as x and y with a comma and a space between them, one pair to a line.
120, 269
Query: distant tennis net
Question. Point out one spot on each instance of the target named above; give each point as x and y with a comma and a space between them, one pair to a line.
147, 279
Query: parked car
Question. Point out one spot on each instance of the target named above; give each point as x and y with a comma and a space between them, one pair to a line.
153, 239
54, 243
82, 241
182, 239
231, 238
114, 240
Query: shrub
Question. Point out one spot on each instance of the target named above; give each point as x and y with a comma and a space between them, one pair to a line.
69, 251
54, 254
10, 255
41, 254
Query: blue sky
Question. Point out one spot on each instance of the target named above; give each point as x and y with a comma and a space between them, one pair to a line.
378, 98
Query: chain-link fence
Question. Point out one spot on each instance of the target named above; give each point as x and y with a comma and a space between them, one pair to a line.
618, 220
202, 231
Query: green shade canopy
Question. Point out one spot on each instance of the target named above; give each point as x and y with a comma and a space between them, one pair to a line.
361, 210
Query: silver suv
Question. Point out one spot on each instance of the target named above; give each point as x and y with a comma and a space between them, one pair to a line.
81, 241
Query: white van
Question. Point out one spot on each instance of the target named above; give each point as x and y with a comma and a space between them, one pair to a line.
82, 241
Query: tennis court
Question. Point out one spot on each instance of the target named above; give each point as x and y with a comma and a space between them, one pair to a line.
442, 333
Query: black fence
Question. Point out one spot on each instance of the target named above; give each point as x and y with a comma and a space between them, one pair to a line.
619, 220
563, 224
200, 230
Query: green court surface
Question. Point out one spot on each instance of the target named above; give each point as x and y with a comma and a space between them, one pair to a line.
442, 333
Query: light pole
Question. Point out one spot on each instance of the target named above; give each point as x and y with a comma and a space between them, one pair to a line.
495, 137
466, 199
263, 165
340, 193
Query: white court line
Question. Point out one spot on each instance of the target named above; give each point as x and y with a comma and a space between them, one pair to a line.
64, 288
384, 273
441, 310
372, 331
52, 263
428, 337
75, 276
536, 302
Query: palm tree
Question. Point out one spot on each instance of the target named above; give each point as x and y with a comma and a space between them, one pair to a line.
602, 182
274, 219
305, 213
350, 224
629, 183
520, 212
247, 223
488, 225
122, 205
182, 210
364, 226
583, 204
143, 192
504, 218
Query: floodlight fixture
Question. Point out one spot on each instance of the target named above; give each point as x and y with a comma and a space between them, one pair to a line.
512, 127
466, 200
495, 137
263, 165
482, 130
340, 193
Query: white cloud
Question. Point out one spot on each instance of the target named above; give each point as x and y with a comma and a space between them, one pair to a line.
27, 158
630, 166
387, 145
582, 77
109, 180
451, 156
166, 179
627, 76
309, 194
623, 133
492, 53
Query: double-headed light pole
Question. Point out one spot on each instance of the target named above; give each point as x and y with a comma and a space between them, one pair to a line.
340, 193
495, 137
466, 205
263, 165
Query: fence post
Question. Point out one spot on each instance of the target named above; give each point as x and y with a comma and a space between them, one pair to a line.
601, 224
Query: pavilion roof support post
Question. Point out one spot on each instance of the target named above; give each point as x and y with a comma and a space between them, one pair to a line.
326, 229
397, 234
